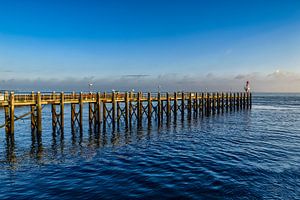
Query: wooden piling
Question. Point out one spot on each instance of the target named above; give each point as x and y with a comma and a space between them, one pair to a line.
168, 107
98, 112
113, 112
175, 105
182, 105
149, 114
126, 109
81, 112
62, 111
159, 108
39, 112
12, 112
33, 113
202, 103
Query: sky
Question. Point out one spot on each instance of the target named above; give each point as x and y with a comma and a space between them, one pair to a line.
149, 45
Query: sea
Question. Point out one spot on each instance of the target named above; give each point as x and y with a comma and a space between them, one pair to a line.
244, 154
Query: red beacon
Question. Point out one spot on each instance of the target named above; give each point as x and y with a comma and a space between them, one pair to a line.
247, 87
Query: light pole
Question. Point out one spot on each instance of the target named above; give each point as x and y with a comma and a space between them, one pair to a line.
90, 86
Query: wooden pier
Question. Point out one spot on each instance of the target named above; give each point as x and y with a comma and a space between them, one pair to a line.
118, 108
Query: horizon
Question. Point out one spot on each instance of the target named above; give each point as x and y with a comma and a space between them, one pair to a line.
190, 45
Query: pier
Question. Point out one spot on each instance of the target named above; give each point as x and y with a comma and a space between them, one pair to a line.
118, 108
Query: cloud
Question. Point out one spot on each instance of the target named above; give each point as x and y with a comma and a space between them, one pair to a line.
278, 81
135, 76
240, 76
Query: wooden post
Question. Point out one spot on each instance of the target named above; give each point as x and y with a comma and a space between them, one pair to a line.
140, 108
202, 103
113, 101
244, 100
39, 112
130, 108
238, 100
62, 111
241, 100
227, 101
213, 103
182, 105
209, 102
231, 101
175, 105
81, 112
33, 113
98, 111
7, 120
222, 102
73, 107
218, 103
190, 105
159, 108
197, 104
168, 107
90, 115
12, 112
149, 108
53, 112
234, 101
250, 98
126, 109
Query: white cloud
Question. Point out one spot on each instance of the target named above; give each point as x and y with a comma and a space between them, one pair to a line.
278, 81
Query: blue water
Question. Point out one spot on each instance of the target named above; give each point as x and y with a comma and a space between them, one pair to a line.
248, 154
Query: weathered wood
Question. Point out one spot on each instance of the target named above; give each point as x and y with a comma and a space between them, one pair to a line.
222, 104
62, 111
190, 100
39, 112
98, 112
81, 112
196, 105
202, 103
139, 109
122, 106
113, 112
126, 110
73, 113
182, 105
12, 112
168, 107
33, 114
213, 103
159, 108
53, 112
149, 114
175, 105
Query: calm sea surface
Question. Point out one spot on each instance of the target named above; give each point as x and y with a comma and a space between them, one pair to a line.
249, 154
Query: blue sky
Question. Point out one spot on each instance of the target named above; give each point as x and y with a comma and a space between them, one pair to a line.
97, 41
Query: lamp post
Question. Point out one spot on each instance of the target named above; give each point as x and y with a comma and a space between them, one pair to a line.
90, 86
